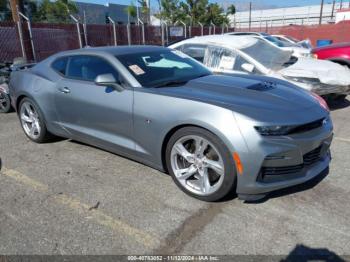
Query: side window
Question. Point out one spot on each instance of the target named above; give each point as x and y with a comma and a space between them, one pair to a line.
220, 58
195, 51
60, 65
89, 67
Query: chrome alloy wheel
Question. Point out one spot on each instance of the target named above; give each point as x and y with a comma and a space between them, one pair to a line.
197, 165
30, 120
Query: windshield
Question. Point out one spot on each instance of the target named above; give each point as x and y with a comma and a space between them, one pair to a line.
277, 42
269, 56
161, 68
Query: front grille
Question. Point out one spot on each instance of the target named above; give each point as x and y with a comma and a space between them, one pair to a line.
307, 127
309, 159
272, 171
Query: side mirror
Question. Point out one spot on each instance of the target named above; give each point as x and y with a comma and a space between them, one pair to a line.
108, 80
248, 67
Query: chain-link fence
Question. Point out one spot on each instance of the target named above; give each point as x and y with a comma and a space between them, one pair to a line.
48, 39
40, 40
9, 42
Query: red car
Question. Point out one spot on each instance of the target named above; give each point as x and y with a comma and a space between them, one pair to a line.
338, 53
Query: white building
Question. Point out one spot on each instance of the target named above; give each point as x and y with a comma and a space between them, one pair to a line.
306, 15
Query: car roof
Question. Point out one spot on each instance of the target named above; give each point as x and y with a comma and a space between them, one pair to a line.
236, 42
114, 50
247, 33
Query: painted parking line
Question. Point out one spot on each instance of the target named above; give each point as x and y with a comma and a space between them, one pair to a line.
342, 139
98, 216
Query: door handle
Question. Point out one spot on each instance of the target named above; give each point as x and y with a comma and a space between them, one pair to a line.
64, 90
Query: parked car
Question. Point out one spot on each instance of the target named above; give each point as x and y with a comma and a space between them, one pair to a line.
285, 38
5, 101
297, 50
337, 53
225, 54
213, 134
5, 71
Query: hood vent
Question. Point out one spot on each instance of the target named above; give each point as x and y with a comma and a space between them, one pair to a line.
262, 86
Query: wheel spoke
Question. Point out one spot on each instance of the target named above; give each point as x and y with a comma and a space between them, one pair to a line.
204, 181
186, 172
201, 145
26, 119
28, 109
214, 165
182, 151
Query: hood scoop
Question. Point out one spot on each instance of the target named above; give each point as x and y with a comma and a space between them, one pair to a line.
262, 86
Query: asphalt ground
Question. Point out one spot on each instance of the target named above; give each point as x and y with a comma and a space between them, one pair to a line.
67, 198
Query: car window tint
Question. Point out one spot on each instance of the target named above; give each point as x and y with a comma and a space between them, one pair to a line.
89, 67
195, 51
60, 65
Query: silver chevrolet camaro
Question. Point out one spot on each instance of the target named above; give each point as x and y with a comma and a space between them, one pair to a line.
213, 134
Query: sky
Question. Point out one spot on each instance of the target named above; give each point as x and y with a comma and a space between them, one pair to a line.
239, 3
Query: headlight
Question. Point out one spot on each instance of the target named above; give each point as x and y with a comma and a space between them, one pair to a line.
304, 80
321, 101
274, 130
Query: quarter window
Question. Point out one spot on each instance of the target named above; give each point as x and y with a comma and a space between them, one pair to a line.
60, 65
89, 67
195, 51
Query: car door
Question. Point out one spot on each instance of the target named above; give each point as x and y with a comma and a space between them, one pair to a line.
101, 115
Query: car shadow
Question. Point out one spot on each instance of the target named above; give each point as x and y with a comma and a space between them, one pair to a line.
233, 195
337, 105
302, 253
294, 189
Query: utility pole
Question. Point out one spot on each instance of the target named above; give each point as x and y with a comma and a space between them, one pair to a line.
250, 15
14, 4
321, 12
341, 4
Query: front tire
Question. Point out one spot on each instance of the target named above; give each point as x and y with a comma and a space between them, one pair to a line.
5, 103
200, 164
32, 121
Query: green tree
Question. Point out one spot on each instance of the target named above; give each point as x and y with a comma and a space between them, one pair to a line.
170, 11
145, 12
55, 12
231, 10
192, 11
131, 11
215, 14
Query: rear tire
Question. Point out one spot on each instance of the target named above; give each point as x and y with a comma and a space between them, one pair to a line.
200, 164
32, 121
5, 103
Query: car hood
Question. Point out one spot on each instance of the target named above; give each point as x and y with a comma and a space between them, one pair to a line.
242, 93
326, 71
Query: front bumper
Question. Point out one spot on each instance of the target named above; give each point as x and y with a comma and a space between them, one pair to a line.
281, 162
